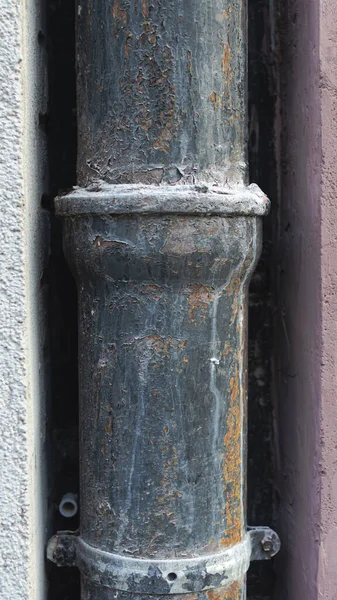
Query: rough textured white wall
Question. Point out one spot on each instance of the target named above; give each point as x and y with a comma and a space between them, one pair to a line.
22, 97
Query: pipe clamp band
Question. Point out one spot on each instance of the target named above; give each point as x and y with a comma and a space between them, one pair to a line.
170, 576
145, 576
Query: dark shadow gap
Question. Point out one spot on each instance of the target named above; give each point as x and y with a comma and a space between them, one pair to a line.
262, 89
60, 125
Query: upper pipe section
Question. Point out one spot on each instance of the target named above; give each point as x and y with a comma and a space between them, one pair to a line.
162, 91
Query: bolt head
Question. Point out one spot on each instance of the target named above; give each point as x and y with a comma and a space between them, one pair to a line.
59, 555
267, 543
267, 546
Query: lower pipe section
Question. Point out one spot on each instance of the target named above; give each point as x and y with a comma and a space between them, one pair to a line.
163, 390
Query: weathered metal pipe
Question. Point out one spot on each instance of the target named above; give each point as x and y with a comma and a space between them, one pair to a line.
162, 91
162, 238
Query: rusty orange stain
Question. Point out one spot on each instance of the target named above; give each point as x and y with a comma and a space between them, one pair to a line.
108, 429
128, 42
181, 239
227, 349
234, 389
163, 140
143, 119
234, 591
229, 74
164, 345
189, 56
185, 596
226, 58
168, 492
152, 38
234, 286
145, 8
200, 296
234, 117
151, 287
215, 594
227, 13
233, 289
160, 344
118, 15
232, 466
229, 592
165, 126
215, 99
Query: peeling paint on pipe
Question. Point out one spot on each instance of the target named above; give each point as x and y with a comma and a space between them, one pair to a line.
162, 91
162, 237
163, 382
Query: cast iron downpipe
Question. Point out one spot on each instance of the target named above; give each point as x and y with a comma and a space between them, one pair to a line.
162, 236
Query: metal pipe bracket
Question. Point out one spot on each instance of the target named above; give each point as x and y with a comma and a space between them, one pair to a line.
172, 576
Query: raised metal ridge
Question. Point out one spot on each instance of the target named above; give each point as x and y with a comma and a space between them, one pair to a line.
103, 198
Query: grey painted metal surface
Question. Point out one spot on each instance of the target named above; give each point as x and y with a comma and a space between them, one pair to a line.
162, 91
162, 238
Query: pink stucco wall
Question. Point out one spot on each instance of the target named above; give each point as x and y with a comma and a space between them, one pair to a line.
305, 359
327, 580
